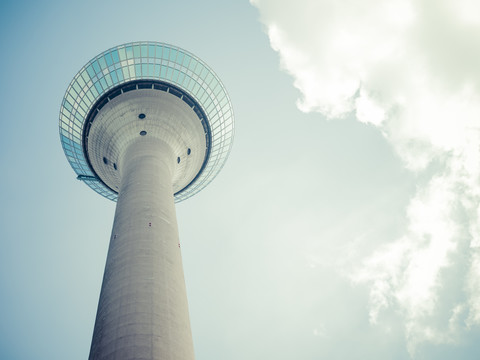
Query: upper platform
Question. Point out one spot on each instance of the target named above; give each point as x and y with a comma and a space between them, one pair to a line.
137, 66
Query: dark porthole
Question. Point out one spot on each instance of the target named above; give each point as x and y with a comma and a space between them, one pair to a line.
178, 160
105, 161
115, 166
143, 133
189, 151
141, 116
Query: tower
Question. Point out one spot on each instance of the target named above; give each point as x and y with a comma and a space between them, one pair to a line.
145, 124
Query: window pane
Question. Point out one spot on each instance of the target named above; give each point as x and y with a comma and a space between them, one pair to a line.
169, 72
114, 77
181, 78
151, 51
180, 57
96, 67
108, 59
129, 52
173, 55
103, 63
186, 60
138, 70
175, 75
108, 80
163, 72
90, 71
166, 53
136, 51
159, 51
126, 75
122, 53
98, 87
193, 64
115, 56
119, 75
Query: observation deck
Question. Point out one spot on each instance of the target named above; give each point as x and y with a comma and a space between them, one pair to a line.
146, 89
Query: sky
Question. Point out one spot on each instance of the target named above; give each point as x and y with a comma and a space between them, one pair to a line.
345, 223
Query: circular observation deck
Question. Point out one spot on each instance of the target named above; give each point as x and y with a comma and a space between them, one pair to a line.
146, 89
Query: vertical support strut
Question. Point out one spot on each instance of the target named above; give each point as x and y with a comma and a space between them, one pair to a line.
143, 310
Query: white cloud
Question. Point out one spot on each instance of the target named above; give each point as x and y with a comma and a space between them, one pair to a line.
409, 68
473, 287
320, 332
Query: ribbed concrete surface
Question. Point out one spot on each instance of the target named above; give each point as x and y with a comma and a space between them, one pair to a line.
143, 310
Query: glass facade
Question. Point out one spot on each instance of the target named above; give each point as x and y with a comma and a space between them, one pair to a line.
148, 61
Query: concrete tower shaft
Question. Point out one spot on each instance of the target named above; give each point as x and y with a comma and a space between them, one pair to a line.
143, 310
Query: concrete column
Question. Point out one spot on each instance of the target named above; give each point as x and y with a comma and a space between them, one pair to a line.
143, 311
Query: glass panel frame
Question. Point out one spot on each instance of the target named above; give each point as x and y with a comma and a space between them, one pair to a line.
156, 61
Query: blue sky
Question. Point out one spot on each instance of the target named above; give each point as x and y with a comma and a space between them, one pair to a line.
345, 222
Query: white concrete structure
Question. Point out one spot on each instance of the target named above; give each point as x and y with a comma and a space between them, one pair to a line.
147, 140
165, 117
143, 310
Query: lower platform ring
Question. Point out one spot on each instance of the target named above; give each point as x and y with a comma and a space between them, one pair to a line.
154, 85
